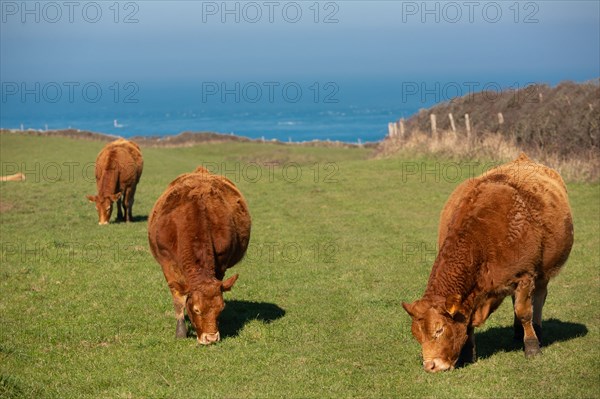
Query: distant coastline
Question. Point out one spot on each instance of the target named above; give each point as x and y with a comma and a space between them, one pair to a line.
537, 116
183, 139
156, 116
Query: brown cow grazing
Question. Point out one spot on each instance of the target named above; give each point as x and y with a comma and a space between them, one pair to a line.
198, 228
118, 169
506, 232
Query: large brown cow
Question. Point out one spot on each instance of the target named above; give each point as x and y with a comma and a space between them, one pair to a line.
504, 233
118, 169
198, 228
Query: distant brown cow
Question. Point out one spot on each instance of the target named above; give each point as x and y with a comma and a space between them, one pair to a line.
504, 233
15, 177
198, 228
118, 169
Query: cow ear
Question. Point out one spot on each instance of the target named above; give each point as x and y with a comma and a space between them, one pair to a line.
227, 284
410, 308
453, 304
91, 198
115, 197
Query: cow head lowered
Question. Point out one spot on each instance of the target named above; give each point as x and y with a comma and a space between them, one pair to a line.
104, 206
441, 328
204, 307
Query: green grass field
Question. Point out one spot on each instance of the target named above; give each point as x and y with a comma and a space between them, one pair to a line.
339, 240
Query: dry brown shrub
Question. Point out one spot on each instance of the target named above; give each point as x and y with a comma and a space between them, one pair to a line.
585, 167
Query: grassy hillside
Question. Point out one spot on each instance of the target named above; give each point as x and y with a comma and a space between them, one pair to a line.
564, 119
558, 125
339, 240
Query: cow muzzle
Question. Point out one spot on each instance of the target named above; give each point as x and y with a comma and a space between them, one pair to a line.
103, 223
437, 364
207, 339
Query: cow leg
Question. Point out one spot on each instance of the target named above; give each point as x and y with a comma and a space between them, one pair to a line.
179, 305
524, 312
126, 204
539, 298
119, 212
517, 325
129, 199
468, 353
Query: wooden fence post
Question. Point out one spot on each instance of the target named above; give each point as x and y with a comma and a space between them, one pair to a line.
468, 126
401, 123
452, 125
391, 129
433, 126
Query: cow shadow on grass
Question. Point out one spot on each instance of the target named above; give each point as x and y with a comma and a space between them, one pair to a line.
238, 313
500, 339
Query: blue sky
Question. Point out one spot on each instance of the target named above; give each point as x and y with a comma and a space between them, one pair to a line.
377, 60
169, 42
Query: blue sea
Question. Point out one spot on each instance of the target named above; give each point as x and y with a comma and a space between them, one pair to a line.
285, 110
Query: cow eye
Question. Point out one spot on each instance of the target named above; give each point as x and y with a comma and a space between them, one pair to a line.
196, 310
438, 332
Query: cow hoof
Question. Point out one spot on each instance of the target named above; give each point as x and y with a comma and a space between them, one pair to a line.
532, 348
181, 331
470, 359
530, 353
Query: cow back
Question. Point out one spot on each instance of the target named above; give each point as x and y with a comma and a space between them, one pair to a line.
200, 224
515, 217
118, 165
